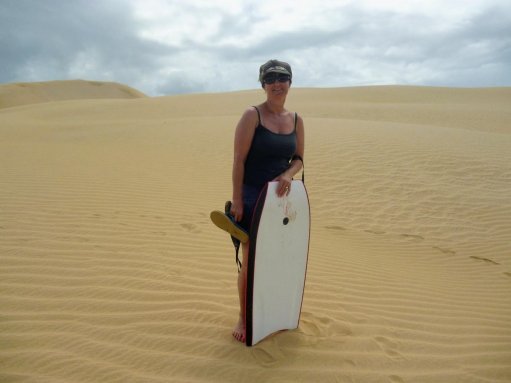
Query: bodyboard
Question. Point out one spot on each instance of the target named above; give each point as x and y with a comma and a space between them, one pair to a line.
277, 265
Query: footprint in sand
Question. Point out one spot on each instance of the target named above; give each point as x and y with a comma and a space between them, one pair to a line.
268, 354
374, 232
317, 327
445, 251
487, 260
413, 237
192, 228
507, 274
388, 346
335, 227
395, 379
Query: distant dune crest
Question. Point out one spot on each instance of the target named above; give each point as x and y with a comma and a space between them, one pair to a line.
17, 94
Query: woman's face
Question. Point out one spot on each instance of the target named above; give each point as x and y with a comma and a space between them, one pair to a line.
276, 84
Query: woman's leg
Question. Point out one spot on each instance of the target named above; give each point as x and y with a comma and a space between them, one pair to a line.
240, 331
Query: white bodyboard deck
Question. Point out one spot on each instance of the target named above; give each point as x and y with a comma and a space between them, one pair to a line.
279, 247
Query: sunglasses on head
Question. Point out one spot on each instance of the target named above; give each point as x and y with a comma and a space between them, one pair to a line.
270, 79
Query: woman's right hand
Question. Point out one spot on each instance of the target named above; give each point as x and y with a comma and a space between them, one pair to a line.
237, 210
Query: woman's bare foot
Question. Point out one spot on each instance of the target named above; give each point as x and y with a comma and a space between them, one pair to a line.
239, 332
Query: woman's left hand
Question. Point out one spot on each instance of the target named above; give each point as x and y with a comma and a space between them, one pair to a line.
284, 186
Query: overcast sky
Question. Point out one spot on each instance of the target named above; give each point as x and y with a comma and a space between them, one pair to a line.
172, 46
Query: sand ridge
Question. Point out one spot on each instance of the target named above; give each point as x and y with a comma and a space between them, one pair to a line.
16, 94
111, 270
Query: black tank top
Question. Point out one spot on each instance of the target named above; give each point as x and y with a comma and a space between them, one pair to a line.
269, 155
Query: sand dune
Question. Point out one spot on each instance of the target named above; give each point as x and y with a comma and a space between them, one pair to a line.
112, 272
33, 93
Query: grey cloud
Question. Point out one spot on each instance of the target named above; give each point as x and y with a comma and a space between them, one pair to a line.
57, 39
475, 53
52, 39
180, 82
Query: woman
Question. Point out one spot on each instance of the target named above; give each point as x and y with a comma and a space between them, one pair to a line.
268, 146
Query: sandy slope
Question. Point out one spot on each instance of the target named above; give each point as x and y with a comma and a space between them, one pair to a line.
32, 93
111, 271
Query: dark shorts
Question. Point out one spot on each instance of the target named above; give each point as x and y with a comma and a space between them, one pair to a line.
250, 195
